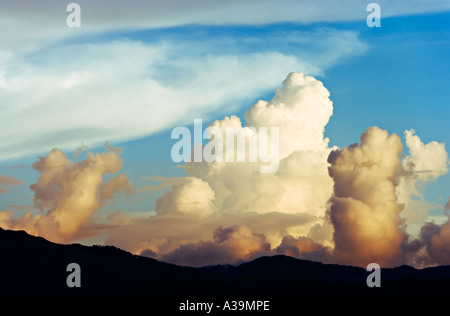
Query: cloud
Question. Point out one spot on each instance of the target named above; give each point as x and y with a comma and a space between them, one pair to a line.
79, 150
154, 78
447, 205
194, 197
231, 244
116, 185
20, 207
8, 181
427, 161
66, 193
432, 247
163, 234
300, 110
364, 209
291, 201
47, 21
424, 164
436, 239
218, 193
303, 248
5, 180
378, 210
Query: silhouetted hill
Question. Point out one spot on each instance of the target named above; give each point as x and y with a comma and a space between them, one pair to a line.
34, 266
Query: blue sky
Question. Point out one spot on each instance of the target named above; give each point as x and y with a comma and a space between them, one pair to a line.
131, 85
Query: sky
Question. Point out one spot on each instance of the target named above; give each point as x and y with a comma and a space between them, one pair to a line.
87, 115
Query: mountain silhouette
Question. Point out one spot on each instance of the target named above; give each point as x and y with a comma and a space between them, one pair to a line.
34, 266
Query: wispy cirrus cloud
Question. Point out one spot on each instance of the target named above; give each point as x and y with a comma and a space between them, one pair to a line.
44, 22
116, 89
122, 76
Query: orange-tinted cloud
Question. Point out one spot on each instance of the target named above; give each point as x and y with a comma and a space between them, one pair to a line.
364, 209
231, 244
67, 193
7, 181
436, 239
303, 248
116, 185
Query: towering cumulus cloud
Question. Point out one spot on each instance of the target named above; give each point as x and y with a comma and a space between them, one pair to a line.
364, 210
67, 193
378, 211
260, 208
301, 110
